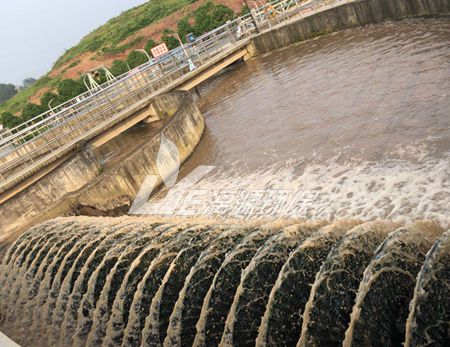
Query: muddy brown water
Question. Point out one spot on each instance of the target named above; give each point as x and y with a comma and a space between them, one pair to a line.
361, 116
369, 89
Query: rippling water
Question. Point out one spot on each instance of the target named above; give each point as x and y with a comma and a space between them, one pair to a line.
361, 116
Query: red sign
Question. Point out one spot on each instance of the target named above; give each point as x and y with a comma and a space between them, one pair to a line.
159, 50
306, 11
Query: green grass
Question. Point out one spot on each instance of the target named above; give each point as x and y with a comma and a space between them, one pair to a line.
17, 103
124, 47
75, 63
108, 37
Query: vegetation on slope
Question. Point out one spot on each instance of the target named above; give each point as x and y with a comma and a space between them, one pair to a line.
108, 37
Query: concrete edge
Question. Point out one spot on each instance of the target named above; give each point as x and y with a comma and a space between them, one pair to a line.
5, 341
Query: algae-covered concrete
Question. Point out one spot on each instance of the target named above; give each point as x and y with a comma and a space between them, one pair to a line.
17, 212
347, 15
119, 186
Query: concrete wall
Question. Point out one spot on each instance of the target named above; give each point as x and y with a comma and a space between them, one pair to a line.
81, 180
118, 187
352, 14
17, 212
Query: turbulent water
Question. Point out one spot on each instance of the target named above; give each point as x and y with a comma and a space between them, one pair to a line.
360, 116
166, 282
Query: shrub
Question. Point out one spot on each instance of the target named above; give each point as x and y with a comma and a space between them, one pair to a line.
171, 41
118, 68
149, 45
28, 82
47, 97
136, 58
69, 89
32, 110
75, 63
244, 10
210, 16
184, 28
9, 120
7, 91
95, 44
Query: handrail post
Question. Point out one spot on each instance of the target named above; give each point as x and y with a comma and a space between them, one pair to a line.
253, 17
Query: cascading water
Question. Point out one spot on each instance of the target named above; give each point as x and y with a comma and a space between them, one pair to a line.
130, 282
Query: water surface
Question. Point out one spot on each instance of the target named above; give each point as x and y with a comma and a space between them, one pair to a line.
361, 115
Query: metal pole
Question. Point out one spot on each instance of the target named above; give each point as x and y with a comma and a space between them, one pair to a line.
190, 62
84, 81
109, 76
150, 59
253, 17
182, 45
50, 106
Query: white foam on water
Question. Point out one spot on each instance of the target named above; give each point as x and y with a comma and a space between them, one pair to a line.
395, 189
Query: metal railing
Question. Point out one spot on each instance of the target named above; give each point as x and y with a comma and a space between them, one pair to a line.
36, 140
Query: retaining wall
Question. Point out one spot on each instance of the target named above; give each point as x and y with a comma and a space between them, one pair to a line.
348, 15
17, 212
119, 186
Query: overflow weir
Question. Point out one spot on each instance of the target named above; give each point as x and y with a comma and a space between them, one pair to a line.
172, 282
52, 160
